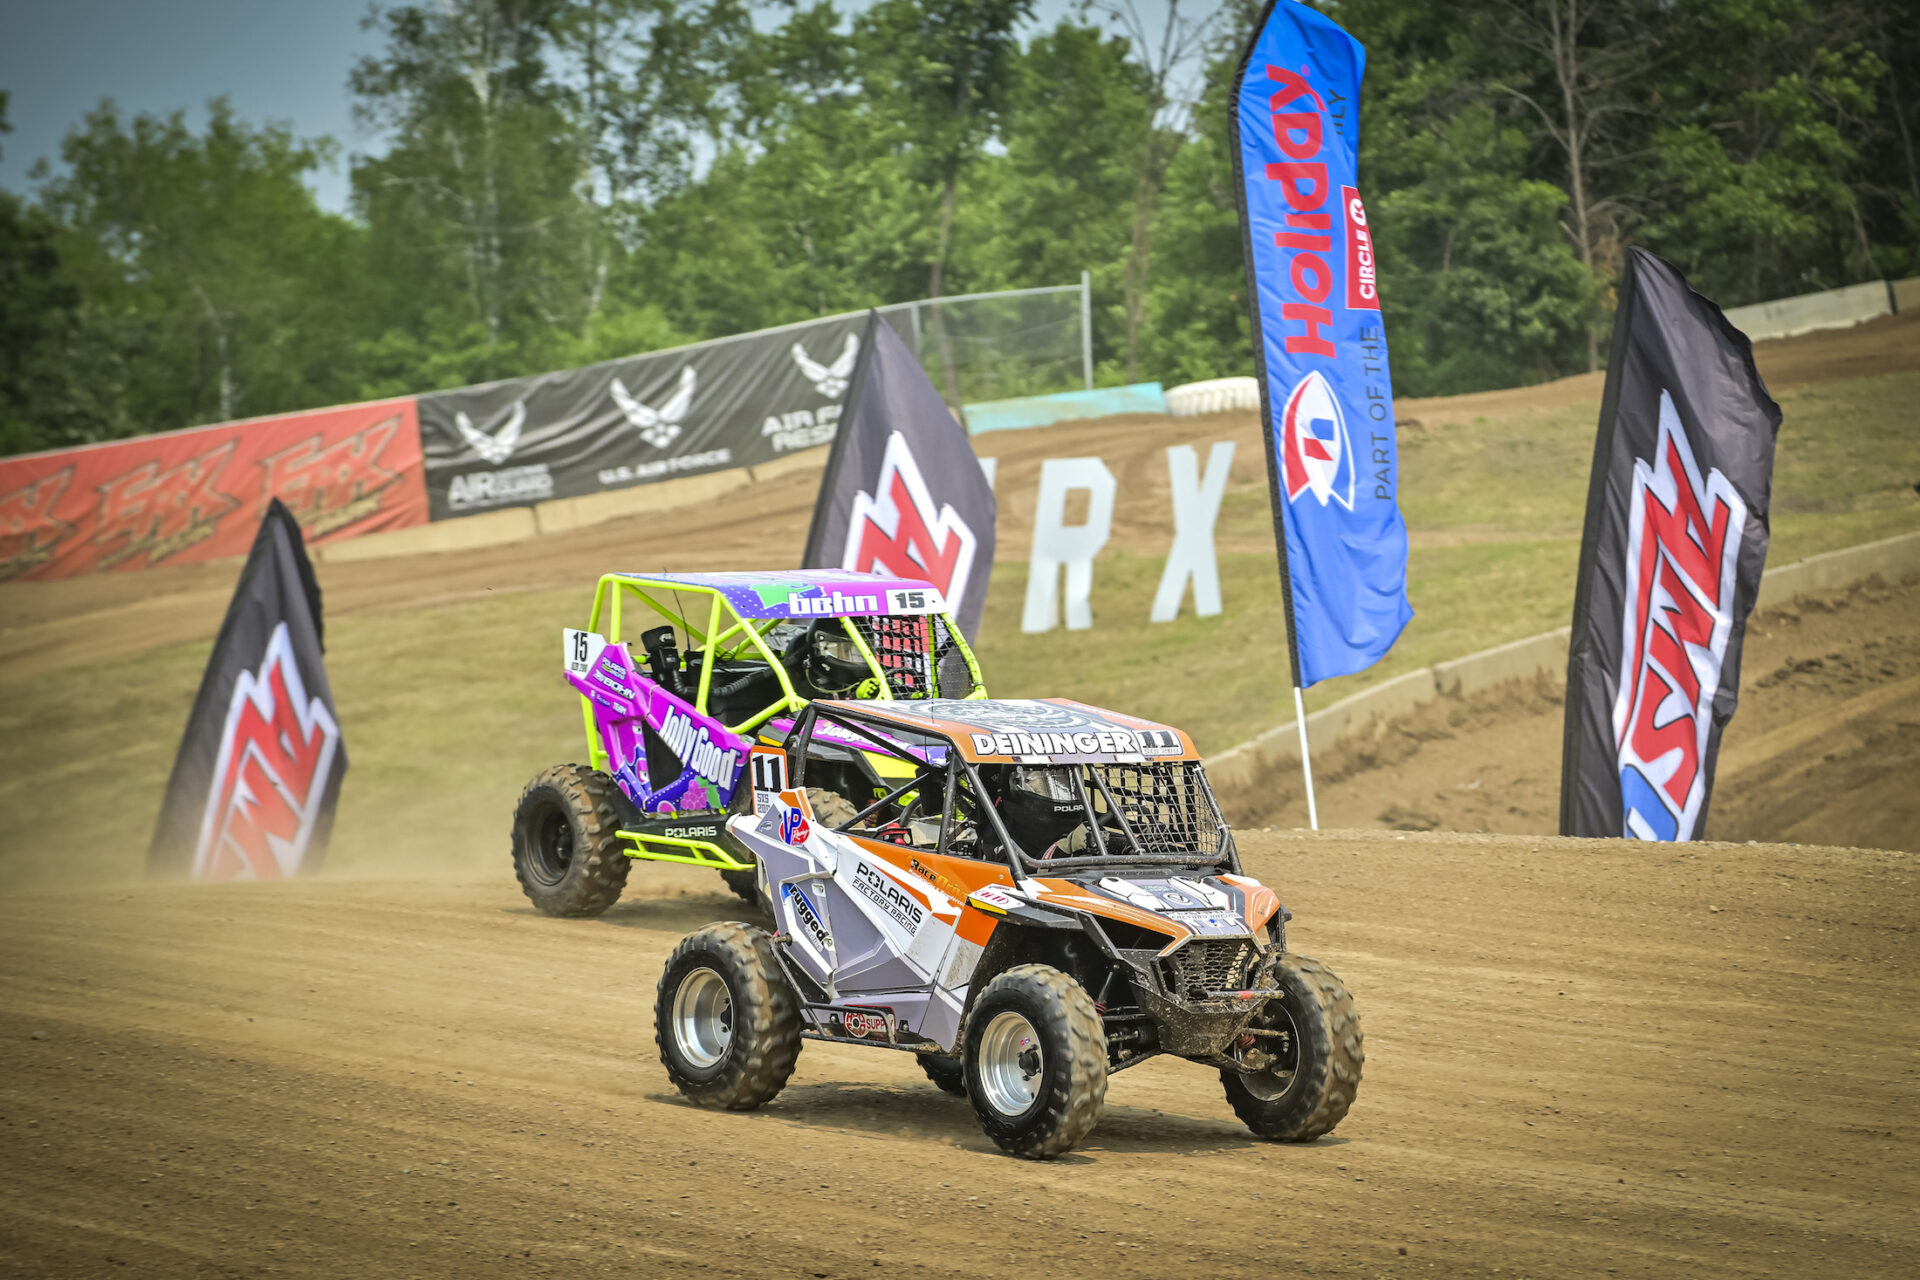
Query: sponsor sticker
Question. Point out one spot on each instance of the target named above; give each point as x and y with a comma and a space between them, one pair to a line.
1084, 742
867, 1024
915, 600
831, 605
995, 899
693, 744
806, 917
1208, 923
767, 767
794, 827
580, 650
882, 892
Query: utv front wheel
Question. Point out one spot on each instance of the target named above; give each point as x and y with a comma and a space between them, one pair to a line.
565, 852
1035, 1061
946, 1071
1316, 1053
725, 1019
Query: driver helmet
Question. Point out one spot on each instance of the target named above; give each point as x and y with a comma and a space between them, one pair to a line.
1038, 806
833, 662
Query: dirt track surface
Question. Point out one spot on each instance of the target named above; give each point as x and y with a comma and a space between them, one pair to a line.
1824, 749
1583, 1059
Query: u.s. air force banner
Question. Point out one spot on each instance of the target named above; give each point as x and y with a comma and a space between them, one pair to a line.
732, 402
1670, 563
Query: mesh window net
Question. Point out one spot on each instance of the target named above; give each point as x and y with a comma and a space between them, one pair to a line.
918, 656
1166, 806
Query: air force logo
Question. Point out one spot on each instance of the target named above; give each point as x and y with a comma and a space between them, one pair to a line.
830, 380
1315, 453
1683, 542
658, 427
493, 447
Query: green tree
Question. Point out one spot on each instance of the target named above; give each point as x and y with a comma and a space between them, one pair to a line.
939, 71
205, 262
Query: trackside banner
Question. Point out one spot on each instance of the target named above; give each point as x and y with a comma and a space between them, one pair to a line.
903, 494
200, 494
732, 402
1670, 563
1325, 394
254, 787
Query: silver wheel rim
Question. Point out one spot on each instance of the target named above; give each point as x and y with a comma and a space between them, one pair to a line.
703, 1017
1011, 1064
1273, 1084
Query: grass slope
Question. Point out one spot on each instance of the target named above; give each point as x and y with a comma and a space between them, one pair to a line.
450, 707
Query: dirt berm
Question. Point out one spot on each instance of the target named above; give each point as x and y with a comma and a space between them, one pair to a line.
1824, 748
1583, 1059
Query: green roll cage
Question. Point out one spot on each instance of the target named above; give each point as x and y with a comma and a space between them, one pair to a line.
741, 638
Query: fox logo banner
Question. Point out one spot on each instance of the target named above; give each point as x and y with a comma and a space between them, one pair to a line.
1320, 349
1675, 542
903, 493
258, 775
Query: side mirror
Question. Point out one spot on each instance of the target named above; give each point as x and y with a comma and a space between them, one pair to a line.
663, 658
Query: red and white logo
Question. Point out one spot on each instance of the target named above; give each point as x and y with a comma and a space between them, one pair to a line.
277, 752
1315, 453
29, 531
330, 486
900, 533
1363, 275
156, 513
1683, 543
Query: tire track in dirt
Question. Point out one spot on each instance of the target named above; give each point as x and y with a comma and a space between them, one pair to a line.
1583, 1057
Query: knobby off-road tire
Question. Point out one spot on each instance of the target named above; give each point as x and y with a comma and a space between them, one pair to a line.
830, 808
1328, 1050
946, 1071
744, 884
564, 851
1033, 1036
725, 1020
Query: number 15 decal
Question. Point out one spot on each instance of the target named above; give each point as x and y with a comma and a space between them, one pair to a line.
580, 649
915, 600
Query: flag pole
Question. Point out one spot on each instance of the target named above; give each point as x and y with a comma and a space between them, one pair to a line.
1306, 760
1266, 418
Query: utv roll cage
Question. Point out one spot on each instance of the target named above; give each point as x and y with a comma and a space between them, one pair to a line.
1172, 805
735, 649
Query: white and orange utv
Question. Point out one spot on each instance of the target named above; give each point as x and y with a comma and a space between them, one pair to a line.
1047, 896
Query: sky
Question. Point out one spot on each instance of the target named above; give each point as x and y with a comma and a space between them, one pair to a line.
278, 60
283, 61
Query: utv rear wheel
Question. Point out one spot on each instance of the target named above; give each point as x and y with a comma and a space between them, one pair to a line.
1317, 1057
565, 853
830, 808
745, 884
725, 1019
946, 1071
1036, 1061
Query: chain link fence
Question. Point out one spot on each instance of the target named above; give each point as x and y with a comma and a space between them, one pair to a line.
978, 347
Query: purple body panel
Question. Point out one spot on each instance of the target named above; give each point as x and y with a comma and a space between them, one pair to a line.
626, 699
623, 700
811, 593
